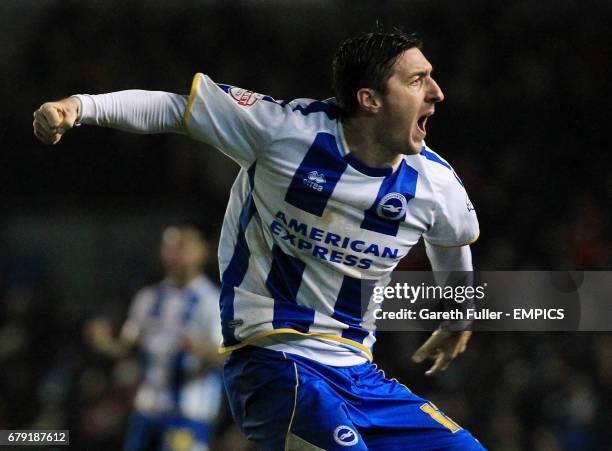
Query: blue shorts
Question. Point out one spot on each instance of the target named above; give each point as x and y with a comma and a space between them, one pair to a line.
166, 433
284, 402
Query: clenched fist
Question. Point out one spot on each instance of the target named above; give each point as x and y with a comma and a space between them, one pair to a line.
53, 119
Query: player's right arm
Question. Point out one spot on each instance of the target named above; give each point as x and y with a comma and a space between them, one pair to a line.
134, 111
98, 333
238, 122
53, 119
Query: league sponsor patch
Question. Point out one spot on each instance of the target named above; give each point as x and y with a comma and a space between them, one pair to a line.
244, 97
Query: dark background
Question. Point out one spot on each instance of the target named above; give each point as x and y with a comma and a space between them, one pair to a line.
524, 123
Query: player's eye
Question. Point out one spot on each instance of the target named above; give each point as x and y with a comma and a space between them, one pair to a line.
417, 81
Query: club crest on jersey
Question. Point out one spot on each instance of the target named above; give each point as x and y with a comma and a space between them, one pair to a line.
315, 180
345, 436
392, 206
244, 97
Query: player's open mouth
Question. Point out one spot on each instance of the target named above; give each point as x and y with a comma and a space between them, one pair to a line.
421, 124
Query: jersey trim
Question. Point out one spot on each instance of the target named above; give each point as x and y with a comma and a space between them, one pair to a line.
365, 169
473, 240
255, 338
192, 96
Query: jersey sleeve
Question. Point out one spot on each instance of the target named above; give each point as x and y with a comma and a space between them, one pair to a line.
455, 222
238, 122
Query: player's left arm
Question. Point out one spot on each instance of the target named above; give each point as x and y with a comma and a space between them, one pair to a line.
453, 228
444, 345
98, 332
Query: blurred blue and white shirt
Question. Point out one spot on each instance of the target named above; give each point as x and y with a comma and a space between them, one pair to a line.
174, 381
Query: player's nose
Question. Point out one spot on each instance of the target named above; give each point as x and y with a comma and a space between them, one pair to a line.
434, 92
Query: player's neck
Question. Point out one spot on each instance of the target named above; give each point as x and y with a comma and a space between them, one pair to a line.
364, 144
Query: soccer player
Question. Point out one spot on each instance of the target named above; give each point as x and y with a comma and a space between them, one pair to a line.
175, 326
331, 194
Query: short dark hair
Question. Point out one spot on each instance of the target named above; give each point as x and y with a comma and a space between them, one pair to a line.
365, 61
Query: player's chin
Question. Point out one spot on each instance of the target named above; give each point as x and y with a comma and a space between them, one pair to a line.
415, 144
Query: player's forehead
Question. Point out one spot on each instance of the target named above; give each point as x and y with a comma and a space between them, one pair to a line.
411, 62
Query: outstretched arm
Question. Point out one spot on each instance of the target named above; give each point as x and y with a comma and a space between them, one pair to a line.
240, 123
134, 111
443, 346
98, 332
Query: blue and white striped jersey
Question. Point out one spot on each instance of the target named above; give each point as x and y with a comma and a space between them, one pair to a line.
307, 222
175, 381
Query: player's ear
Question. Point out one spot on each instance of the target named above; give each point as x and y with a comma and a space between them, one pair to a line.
368, 100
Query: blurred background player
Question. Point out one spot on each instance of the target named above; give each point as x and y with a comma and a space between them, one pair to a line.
174, 324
